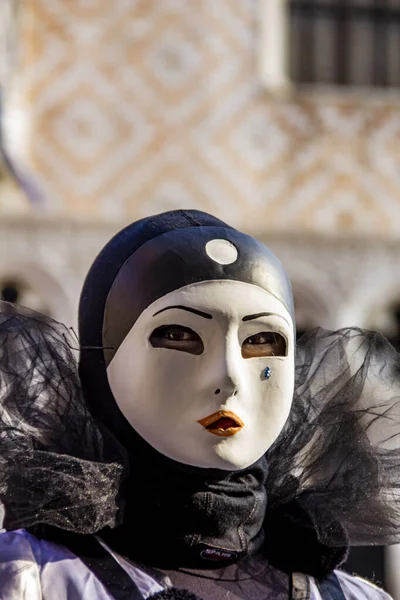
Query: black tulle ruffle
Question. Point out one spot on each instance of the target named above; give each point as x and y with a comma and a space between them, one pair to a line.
56, 466
337, 460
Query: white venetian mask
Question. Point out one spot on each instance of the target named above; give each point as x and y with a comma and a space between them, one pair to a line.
206, 373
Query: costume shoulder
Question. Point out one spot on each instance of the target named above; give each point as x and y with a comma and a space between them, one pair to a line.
355, 588
33, 569
19, 572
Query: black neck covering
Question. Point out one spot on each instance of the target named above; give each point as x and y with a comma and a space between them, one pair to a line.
173, 515
183, 516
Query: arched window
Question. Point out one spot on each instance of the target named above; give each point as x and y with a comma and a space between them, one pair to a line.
32, 286
385, 318
18, 291
10, 291
393, 334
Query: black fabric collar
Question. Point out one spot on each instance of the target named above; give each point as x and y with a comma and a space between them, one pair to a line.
186, 516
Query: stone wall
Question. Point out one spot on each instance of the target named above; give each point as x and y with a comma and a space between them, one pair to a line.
335, 285
157, 104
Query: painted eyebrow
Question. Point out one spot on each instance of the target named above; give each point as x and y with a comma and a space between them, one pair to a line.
188, 309
264, 314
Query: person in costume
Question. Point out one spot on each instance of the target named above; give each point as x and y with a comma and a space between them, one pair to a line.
197, 453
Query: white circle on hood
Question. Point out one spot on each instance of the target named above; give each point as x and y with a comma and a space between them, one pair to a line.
222, 251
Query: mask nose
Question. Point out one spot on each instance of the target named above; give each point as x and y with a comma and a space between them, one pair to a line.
227, 369
234, 393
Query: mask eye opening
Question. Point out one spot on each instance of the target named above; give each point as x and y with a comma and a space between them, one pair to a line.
177, 337
265, 343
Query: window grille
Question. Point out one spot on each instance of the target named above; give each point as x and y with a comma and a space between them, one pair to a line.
345, 42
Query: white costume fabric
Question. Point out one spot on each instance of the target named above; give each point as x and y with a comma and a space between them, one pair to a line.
32, 569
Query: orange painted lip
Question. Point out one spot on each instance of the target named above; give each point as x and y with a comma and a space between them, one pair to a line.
215, 417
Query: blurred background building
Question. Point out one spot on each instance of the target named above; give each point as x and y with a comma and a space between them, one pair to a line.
281, 117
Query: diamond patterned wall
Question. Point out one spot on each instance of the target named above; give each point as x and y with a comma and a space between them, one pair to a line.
138, 106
